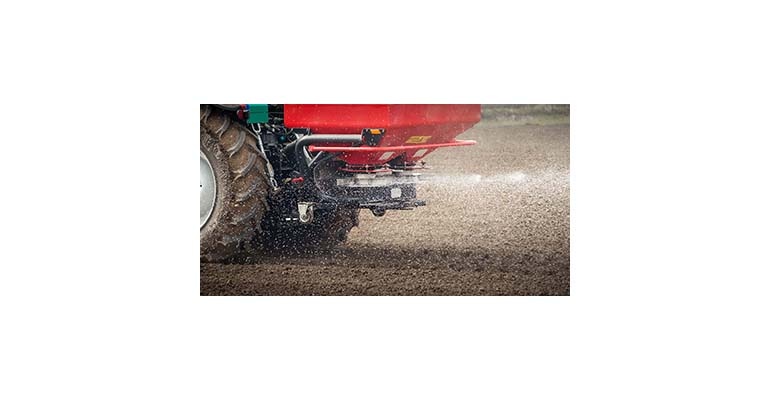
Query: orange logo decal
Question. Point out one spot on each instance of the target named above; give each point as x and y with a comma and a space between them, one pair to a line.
418, 139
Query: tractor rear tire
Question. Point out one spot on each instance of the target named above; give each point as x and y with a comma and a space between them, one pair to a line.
240, 182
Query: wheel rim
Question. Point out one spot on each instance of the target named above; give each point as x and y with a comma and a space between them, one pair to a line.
208, 189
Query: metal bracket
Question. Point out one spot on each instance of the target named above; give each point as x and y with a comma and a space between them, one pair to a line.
256, 133
305, 212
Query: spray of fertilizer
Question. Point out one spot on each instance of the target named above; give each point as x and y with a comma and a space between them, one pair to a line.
491, 189
512, 178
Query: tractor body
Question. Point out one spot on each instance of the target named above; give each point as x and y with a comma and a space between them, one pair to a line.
321, 161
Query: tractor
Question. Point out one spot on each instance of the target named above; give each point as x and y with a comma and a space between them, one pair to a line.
293, 177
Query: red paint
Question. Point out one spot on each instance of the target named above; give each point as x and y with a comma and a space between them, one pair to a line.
411, 148
441, 122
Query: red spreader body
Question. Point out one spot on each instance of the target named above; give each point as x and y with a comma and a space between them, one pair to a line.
411, 131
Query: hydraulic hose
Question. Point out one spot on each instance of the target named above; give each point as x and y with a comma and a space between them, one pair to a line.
299, 144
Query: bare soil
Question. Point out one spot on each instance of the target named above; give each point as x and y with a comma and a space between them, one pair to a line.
497, 223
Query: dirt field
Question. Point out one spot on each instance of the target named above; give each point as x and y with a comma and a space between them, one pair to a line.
496, 223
